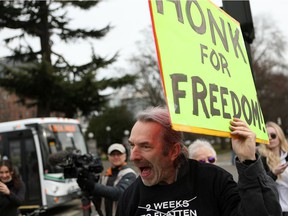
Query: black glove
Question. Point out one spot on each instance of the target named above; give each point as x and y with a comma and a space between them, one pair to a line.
86, 184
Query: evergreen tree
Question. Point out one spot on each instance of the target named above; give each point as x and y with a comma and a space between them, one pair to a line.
52, 85
118, 119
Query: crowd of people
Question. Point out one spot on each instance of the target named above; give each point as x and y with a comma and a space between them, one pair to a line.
171, 178
167, 176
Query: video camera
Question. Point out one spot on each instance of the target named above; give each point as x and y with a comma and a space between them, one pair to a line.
76, 165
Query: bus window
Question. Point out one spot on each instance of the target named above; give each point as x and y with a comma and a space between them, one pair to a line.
64, 137
61, 137
15, 154
52, 145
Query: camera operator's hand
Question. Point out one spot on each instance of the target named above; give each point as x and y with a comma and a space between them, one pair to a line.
86, 184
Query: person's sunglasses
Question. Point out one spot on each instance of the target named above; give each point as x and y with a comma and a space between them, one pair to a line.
210, 160
273, 135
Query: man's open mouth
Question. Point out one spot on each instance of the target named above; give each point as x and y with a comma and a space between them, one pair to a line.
145, 171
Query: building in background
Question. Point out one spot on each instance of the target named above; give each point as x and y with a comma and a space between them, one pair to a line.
11, 108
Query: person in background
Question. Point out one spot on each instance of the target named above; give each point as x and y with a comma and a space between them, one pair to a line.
275, 160
171, 184
202, 151
12, 189
117, 178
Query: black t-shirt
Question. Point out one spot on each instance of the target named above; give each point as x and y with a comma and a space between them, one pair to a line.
197, 193
204, 190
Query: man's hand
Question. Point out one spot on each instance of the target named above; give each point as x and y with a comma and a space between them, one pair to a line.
86, 184
243, 140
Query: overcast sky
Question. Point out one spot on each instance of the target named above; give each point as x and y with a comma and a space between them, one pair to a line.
129, 17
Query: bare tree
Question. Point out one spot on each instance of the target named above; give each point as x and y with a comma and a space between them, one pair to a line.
146, 68
270, 68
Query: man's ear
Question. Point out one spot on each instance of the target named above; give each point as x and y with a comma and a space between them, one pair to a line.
176, 149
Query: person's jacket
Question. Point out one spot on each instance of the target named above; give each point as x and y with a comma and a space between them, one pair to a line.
9, 203
204, 189
111, 186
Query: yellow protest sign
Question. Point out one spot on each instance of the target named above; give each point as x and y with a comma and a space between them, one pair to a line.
205, 68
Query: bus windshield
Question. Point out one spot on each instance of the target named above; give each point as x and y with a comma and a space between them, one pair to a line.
64, 137
57, 137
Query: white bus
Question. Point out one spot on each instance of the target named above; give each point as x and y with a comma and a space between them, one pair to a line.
28, 144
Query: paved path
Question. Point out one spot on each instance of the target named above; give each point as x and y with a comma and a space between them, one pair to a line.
224, 161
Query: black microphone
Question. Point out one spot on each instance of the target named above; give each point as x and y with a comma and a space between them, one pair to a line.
60, 158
